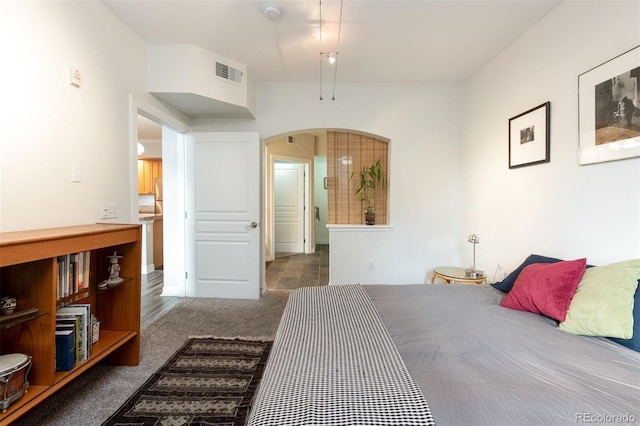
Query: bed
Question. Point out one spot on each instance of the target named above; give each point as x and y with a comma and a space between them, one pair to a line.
473, 361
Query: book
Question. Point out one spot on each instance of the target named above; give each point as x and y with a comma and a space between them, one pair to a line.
65, 350
87, 267
65, 278
72, 324
83, 269
72, 273
72, 285
84, 331
60, 276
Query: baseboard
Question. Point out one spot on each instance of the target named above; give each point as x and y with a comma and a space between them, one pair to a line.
149, 268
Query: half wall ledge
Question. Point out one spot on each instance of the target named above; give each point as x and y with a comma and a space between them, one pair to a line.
358, 228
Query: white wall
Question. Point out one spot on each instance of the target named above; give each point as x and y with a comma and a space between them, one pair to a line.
49, 125
559, 208
187, 69
424, 124
444, 185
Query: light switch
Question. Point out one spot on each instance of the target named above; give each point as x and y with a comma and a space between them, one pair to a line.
75, 173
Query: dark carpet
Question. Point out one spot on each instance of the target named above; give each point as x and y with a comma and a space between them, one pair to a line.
209, 381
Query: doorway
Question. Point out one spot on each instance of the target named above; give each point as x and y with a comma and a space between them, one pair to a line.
301, 148
288, 268
289, 206
171, 150
150, 199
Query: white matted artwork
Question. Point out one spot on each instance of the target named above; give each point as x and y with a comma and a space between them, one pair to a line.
529, 137
609, 110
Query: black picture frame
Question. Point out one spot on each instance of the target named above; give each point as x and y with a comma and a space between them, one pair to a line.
609, 110
530, 137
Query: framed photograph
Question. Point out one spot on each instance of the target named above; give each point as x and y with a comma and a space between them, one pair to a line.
529, 137
609, 110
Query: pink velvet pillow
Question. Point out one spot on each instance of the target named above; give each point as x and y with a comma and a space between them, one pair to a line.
546, 288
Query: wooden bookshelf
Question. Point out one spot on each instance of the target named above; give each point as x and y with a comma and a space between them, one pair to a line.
28, 265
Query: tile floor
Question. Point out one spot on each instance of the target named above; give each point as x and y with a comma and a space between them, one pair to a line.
288, 272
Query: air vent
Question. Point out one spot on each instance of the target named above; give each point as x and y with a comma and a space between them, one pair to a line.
228, 73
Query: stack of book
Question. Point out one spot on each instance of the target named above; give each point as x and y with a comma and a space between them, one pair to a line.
73, 273
73, 335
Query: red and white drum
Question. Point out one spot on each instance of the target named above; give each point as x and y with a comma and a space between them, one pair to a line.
14, 369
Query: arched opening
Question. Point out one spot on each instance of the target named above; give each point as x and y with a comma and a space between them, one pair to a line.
330, 196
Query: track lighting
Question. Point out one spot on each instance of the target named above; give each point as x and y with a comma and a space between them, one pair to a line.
332, 57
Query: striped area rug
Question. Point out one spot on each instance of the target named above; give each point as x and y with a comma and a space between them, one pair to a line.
208, 381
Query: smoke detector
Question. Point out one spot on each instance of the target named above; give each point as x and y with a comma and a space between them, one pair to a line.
271, 11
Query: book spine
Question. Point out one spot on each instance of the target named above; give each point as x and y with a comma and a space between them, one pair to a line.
65, 350
87, 269
60, 276
80, 272
73, 273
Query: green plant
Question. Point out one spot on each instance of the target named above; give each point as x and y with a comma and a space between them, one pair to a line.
370, 178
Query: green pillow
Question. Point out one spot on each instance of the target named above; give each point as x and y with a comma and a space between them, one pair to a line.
603, 302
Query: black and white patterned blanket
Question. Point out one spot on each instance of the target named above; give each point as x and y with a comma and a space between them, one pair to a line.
334, 363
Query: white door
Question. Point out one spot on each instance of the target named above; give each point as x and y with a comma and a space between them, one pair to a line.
288, 212
223, 215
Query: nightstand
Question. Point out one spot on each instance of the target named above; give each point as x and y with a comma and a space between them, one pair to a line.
451, 274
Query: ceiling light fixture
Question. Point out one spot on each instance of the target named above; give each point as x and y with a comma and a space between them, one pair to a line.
331, 56
271, 11
140, 149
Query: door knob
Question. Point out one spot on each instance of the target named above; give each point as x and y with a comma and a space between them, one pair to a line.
254, 225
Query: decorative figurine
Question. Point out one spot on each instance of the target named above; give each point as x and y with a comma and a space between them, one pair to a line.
114, 272
8, 305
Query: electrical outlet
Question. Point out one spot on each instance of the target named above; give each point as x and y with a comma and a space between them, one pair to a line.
108, 211
370, 263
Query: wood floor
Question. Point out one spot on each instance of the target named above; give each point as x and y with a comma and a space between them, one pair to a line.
153, 306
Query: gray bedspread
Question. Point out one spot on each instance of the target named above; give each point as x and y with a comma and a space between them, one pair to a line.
480, 364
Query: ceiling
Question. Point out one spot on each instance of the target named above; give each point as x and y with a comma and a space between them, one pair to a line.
148, 130
380, 41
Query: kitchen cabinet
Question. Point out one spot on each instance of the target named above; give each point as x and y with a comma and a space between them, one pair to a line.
157, 243
148, 171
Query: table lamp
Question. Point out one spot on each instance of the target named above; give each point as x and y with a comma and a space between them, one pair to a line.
473, 272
